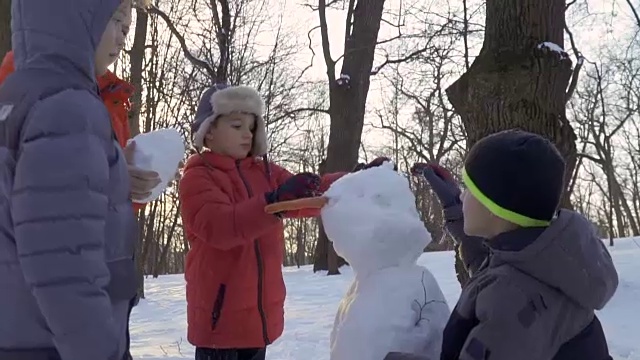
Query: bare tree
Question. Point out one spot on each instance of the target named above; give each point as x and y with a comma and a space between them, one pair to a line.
348, 95
306, 150
136, 59
432, 133
5, 27
348, 89
631, 141
170, 69
519, 79
602, 110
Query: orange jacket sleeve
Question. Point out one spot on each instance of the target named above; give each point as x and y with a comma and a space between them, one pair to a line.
115, 94
212, 217
137, 207
7, 66
281, 175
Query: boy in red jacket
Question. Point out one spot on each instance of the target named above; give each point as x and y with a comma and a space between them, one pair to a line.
235, 288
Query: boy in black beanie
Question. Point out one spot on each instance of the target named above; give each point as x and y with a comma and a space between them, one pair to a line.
541, 273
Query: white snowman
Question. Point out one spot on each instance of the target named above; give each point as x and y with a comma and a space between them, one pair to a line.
393, 304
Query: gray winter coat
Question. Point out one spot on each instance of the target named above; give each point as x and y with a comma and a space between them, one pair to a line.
67, 227
536, 291
532, 294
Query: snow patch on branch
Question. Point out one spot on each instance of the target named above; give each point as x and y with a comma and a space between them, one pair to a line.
549, 46
344, 80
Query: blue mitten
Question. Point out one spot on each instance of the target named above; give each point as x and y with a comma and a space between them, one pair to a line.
296, 187
442, 183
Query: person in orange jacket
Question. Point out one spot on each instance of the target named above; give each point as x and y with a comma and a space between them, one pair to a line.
115, 94
235, 287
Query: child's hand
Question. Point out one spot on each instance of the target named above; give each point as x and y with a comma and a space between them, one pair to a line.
142, 181
296, 187
441, 182
375, 163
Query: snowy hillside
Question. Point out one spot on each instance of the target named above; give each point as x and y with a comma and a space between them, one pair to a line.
159, 322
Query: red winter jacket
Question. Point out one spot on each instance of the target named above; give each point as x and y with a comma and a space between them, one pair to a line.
235, 288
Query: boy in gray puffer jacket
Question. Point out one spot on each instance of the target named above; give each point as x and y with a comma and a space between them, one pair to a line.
539, 275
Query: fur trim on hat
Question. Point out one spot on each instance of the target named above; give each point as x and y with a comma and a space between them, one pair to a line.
234, 99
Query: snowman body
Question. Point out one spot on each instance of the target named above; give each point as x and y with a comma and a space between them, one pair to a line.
393, 304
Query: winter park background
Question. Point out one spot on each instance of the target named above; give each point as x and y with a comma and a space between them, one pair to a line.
159, 322
408, 117
296, 58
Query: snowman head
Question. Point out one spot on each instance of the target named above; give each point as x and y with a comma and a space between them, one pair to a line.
371, 218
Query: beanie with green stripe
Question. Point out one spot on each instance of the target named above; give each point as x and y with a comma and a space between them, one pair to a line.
517, 175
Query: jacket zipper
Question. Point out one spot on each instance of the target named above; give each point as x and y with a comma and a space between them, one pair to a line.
217, 306
256, 247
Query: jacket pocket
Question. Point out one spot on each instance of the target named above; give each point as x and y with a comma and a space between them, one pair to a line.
123, 284
217, 306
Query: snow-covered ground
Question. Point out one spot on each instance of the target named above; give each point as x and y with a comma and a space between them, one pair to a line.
159, 322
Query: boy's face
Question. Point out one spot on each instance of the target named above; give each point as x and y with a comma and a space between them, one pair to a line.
232, 135
113, 38
478, 220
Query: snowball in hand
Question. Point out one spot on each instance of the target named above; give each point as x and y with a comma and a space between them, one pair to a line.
160, 151
393, 305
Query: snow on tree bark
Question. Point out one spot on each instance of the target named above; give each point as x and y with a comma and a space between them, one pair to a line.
519, 79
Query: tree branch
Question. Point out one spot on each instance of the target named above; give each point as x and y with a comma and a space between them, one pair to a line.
574, 79
413, 54
326, 46
589, 157
183, 44
579, 62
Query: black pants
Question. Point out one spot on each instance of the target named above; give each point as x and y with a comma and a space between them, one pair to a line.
127, 352
29, 354
231, 354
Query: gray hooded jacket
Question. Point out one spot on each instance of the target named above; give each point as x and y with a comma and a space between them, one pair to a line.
537, 289
532, 294
67, 227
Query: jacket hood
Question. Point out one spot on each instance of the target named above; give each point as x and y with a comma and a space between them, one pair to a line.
60, 35
224, 99
567, 256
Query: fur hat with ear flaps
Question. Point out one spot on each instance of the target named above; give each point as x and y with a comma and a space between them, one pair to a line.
224, 99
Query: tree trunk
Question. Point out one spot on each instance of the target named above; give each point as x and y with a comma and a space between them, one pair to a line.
139, 255
136, 59
347, 96
516, 83
619, 202
5, 27
325, 257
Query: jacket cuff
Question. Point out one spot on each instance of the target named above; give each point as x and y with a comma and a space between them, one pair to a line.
453, 212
